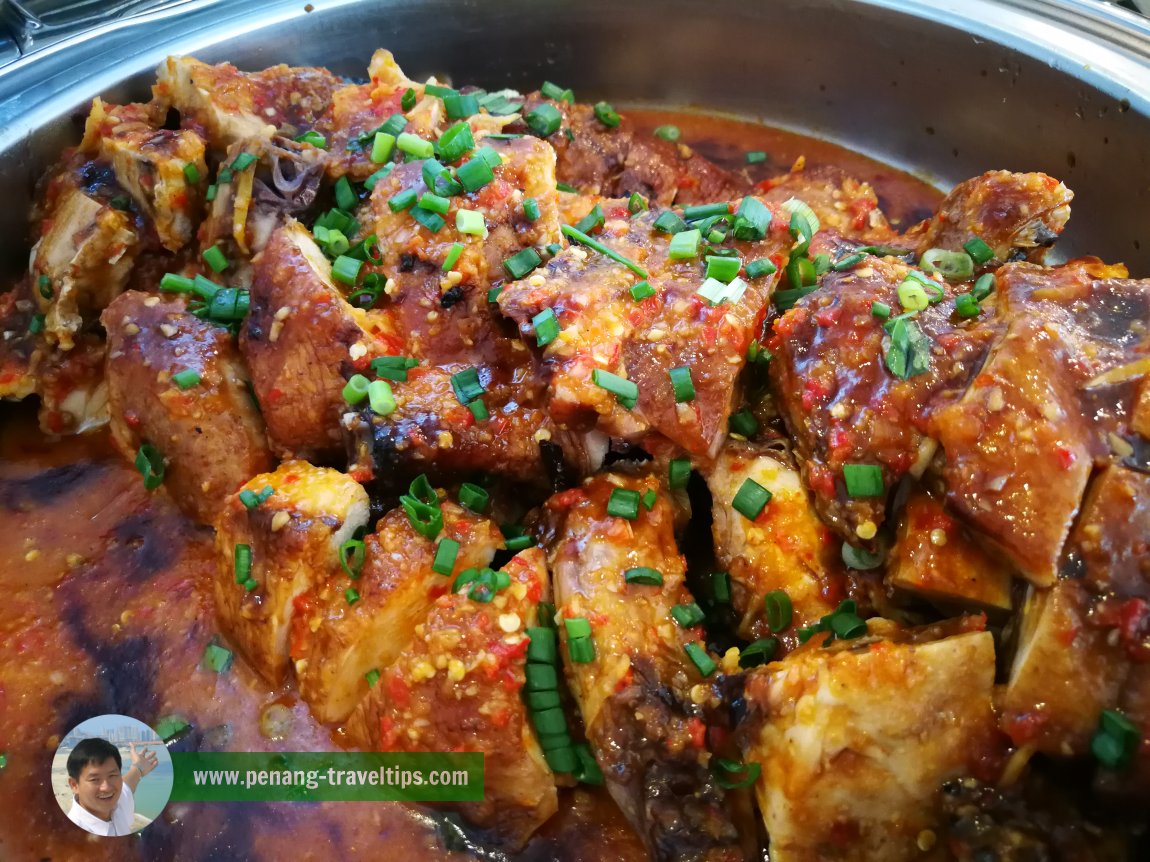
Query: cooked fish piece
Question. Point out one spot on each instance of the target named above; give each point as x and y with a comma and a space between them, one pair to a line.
786, 548
844, 205
81, 263
1110, 536
1019, 446
302, 340
853, 743
605, 329
293, 537
18, 346
936, 558
636, 693
283, 182
456, 687
1063, 674
616, 161
150, 163
207, 429
71, 386
228, 106
1018, 215
336, 641
833, 384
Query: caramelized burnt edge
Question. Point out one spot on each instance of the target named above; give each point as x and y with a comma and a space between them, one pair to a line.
951, 633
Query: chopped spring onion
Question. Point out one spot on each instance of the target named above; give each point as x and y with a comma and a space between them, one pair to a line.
723, 268
577, 627
984, 287
470, 222
732, 775
581, 650
909, 350
546, 327
668, 222
721, 587
848, 262
242, 563
438, 90
678, 473
751, 499
545, 120
382, 146
150, 464
352, 555
649, 498
688, 616
779, 609
752, 220
414, 146
702, 211
460, 106
591, 221
243, 161
636, 203
434, 203
480, 413
756, 157
912, 295
531, 209
475, 174
758, 652
703, 663
540, 677
313, 138
624, 390
863, 480
643, 575
472, 497
351, 595
425, 519
521, 263
1115, 743
541, 646
668, 133
456, 142
640, 290
433, 221
467, 385
951, 265
393, 367
346, 269
716, 293
446, 553
623, 503
191, 173
744, 423
210, 194
404, 200
682, 384
857, 558
372, 677
187, 378
760, 267
606, 115
965, 305
685, 245
408, 100
557, 93
380, 398
345, 196
880, 310
214, 257
979, 251
355, 390
251, 500
580, 237
217, 658
452, 258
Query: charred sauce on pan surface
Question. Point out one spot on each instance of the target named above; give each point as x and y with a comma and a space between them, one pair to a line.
107, 609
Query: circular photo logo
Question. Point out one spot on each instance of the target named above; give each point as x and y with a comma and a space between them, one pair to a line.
112, 775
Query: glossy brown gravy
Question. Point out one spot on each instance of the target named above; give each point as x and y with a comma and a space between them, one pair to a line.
106, 609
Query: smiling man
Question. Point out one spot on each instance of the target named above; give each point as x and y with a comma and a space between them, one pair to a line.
103, 798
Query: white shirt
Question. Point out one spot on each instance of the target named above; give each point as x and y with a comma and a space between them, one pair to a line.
122, 815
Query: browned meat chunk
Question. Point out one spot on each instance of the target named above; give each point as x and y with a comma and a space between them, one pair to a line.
842, 203
291, 541
302, 340
1017, 215
854, 742
786, 548
936, 557
604, 328
1064, 672
207, 429
338, 641
1019, 448
154, 165
615, 162
833, 381
228, 106
635, 692
456, 687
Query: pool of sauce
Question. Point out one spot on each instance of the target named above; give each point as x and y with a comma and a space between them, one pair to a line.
107, 609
